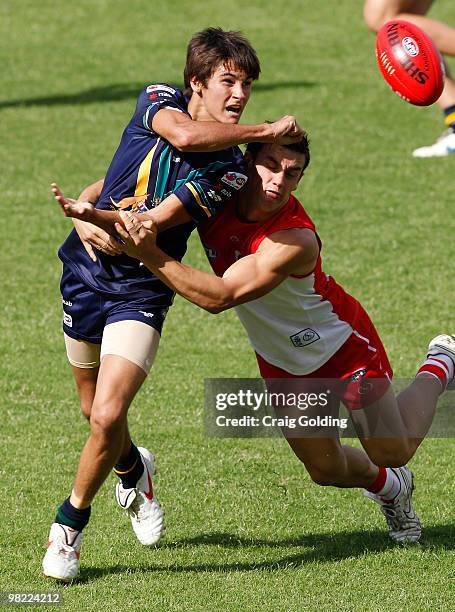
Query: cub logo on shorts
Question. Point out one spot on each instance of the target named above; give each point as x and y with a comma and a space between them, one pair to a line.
304, 337
358, 374
234, 179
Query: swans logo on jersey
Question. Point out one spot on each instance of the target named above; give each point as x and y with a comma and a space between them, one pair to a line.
234, 179
410, 46
304, 337
152, 88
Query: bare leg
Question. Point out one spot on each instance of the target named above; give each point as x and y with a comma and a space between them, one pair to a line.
331, 464
406, 420
86, 380
118, 382
86, 387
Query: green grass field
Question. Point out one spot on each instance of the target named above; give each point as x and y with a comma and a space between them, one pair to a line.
246, 528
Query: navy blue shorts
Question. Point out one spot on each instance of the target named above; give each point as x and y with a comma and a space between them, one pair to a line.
86, 313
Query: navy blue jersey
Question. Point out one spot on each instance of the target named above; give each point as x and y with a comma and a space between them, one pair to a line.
144, 171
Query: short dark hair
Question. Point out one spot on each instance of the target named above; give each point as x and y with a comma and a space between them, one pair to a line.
302, 146
213, 47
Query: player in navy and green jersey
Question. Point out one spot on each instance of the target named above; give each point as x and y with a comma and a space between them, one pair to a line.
176, 164
147, 168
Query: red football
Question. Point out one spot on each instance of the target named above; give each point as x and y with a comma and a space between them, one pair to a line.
410, 62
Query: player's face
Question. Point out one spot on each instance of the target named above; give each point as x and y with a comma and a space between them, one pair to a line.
225, 95
274, 175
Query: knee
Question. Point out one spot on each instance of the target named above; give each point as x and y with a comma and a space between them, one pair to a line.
107, 419
325, 476
391, 456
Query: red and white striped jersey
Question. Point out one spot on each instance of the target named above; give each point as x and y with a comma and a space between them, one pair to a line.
303, 321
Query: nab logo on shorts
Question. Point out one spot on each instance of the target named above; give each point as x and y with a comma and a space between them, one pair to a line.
149, 315
304, 337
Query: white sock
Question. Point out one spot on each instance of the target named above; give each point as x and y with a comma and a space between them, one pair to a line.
391, 486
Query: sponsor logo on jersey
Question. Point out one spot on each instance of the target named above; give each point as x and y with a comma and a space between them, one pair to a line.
67, 302
67, 319
410, 46
304, 337
211, 253
136, 204
152, 88
234, 179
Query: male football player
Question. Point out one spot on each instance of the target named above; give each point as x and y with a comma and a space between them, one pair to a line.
265, 252
378, 12
178, 149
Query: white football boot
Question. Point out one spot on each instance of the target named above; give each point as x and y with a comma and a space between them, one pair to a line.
404, 525
61, 560
445, 145
443, 344
141, 505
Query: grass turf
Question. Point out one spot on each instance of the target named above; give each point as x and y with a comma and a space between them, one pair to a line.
246, 528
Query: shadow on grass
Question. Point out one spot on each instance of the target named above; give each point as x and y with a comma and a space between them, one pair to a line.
318, 547
123, 91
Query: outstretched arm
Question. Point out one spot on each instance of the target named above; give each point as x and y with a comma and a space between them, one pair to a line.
281, 254
92, 236
199, 136
170, 212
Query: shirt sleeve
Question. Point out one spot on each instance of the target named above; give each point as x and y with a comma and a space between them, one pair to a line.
155, 97
205, 195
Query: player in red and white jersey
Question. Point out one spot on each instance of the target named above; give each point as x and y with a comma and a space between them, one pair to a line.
304, 327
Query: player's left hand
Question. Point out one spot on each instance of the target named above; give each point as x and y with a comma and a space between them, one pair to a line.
138, 237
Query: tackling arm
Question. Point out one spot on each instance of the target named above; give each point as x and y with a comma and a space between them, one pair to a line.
280, 255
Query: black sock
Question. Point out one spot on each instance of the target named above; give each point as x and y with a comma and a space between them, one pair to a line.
449, 117
130, 468
73, 517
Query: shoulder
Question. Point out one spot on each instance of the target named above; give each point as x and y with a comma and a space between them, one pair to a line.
162, 93
303, 238
294, 250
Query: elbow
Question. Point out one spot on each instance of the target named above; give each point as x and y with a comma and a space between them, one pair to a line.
219, 305
215, 308
182, 140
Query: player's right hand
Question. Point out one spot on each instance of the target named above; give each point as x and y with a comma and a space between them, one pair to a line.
286, 130
71, 207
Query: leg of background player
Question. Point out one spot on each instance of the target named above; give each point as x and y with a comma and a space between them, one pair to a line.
377, 12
